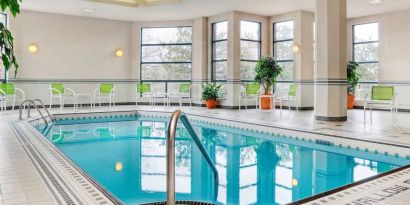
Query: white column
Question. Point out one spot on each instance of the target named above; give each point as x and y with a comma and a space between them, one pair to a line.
330, 71
199, 57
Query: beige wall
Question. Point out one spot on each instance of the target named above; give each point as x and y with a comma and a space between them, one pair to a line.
71, 47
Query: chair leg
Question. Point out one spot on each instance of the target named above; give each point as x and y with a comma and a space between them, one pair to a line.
51, 102
371, 115
364, 112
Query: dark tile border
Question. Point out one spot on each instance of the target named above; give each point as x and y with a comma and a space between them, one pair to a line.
354, 184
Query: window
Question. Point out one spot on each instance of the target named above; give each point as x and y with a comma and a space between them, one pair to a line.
166, 55
250, 49
3, 20
366, 50
219, 51
282, 48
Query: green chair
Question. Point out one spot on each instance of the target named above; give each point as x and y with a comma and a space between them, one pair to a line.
380, 97
290, 97
184, 93
249, 92
58, 90
143, 91
9, 92
104, 91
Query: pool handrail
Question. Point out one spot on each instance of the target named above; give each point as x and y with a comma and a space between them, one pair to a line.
172, 127
33, 103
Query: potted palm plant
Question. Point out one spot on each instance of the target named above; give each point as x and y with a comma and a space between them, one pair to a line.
353, 78
210, 92
267, 71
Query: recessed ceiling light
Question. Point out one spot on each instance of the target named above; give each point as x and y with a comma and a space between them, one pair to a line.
88, 10
376, 1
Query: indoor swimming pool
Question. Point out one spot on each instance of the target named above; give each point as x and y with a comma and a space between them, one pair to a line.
128, 157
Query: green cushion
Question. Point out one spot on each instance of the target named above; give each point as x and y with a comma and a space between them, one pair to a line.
57, 138
144, 131
382, 92
106, 87
184, 88
8, 88
143, 88
105, 133
293, 90
59, 87
252, 88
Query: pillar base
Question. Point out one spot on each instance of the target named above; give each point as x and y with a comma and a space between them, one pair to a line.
331, 119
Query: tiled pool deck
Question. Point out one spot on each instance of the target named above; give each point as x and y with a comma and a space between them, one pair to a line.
21, 182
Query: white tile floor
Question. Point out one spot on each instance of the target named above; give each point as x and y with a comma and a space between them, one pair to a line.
20, 183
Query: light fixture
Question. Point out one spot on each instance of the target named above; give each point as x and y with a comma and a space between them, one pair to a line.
119, 53
294, 182
295, 48
89, 10
376, 1
32, 48
118, 166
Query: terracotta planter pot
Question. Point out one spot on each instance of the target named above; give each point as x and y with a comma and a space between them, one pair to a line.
350, 101
211, 104
266, 102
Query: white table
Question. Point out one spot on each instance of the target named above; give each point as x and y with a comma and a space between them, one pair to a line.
83, 95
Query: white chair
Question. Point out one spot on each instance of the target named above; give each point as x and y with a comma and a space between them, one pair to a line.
2, 100
249, 92
290, 97
184, 93
10, 93
380, 97
104, 91
58, 90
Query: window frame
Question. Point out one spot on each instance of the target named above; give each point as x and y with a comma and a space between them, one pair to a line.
274, 41
6, 22
255, 41
354, 43
160, 63
213, 42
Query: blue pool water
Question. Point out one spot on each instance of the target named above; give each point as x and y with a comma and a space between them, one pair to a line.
128, 159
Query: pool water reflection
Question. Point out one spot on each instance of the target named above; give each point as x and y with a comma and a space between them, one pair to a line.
129, 159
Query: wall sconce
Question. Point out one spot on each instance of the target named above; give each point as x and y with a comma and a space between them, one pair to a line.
295, 48
118, 166
119, 53
32, 48
294, 182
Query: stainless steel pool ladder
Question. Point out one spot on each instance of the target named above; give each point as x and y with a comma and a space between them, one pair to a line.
33, 103
172, 128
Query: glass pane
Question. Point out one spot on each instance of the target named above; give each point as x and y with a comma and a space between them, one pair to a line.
166, 35
220, 70
157, 87
248, 70
283, 50
366, 32
283, 30
250, 30
287, 73
369, 71
178, 53
179, 71
221, 50
366, 52
220, 30
250, 50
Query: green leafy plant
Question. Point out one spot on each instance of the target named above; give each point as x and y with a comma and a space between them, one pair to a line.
6, 38
210, 91
353, 77
267, 71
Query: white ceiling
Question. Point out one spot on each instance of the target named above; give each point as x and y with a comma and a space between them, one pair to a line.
189, 9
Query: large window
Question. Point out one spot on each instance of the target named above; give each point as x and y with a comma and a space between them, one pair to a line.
282, 48
366, 50
3, 20
219, 51
250, 49
166, 55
